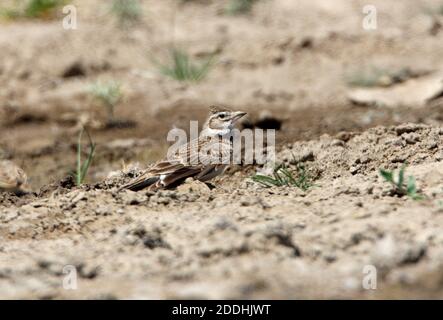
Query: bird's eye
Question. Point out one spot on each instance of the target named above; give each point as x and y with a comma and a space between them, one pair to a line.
222, 116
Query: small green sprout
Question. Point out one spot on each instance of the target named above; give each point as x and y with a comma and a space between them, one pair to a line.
181, 67
109, 94
82, 168
41, 9
127, 11
236, 7
9, 14
374, 76
402, 188
283, 177
434, 10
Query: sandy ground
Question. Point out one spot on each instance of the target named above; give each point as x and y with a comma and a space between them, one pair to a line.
286, 59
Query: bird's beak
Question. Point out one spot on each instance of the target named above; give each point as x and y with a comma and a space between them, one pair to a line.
237, 115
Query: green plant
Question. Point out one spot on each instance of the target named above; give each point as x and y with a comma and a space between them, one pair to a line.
82, 168
283, 177
236, 7
181, 67
434, 10
33, 9
109, 94
127, 11
402, 187
42, 8
376, 76
8, 13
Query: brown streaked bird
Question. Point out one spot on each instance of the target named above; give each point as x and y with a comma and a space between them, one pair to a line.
12, 178
197, 158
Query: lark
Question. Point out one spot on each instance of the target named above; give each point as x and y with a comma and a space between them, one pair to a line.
12, 178
201, 158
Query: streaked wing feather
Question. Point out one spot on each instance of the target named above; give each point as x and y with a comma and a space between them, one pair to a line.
142, 183
189, 162
141, 179
165, 167
183, 173
207, 170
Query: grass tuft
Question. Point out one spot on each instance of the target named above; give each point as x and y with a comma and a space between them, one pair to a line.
82, 168
10, 13
109, 94
42, 8
182, 68
237, 7
283, 177
434, 10
402, 187
375, 76
34, 9
128, 12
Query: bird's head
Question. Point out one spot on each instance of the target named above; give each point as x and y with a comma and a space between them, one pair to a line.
222, 120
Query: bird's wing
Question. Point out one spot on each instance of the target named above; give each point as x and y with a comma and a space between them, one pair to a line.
140, 183
181, 175
154, 174
192, 159
164, 167
162, 174
195, 155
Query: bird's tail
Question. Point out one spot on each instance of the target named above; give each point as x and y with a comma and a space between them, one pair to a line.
139, 184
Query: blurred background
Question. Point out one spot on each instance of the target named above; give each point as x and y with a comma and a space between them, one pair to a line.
130, 70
